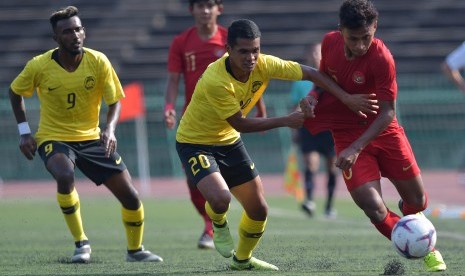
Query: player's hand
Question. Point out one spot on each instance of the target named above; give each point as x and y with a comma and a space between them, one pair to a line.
28, 146
170, 118
362, 104
307, 105
295, 119
347, 158
108, 140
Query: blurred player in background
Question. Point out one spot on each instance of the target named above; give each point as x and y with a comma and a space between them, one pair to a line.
452, 65
190, 53
210, 147
314, 146
368, 148
70, 82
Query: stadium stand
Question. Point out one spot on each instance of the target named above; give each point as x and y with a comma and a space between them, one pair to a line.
136, 35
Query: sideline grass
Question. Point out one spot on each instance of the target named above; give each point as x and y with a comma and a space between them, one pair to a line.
34, 241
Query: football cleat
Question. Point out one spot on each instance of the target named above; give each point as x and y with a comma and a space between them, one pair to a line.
401, 202
309, 208
81, 254
142, 255
206, 241
223, 241
252, 264
434, 262
331, 213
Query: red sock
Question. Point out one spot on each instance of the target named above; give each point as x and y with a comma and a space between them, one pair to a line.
199, 203
385, 227
411, 209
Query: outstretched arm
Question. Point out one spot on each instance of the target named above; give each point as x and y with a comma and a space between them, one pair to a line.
27, 144
241, 124
107, 136
362, 104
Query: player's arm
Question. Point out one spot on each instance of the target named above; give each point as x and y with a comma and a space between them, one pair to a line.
348, 156
454, 75
261, 108
107, 136
171, 94
27, 143
241, 124
362, 104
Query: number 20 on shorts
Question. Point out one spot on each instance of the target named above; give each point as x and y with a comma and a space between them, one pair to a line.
201, 160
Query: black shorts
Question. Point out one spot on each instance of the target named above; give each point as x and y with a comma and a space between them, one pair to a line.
88, 156
322, 142
232, 161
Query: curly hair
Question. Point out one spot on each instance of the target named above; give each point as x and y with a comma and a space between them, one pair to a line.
63, 13
242, 28
354, 14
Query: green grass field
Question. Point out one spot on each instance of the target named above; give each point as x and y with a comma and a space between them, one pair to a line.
35, 241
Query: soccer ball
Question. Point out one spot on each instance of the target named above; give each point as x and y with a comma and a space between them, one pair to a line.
413, 236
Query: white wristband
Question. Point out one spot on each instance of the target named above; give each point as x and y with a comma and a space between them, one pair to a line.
23, 128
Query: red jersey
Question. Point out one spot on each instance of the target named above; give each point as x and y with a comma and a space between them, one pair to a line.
373, 72
190, 56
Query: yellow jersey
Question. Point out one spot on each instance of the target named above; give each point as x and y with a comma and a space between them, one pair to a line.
218, 96
69, 101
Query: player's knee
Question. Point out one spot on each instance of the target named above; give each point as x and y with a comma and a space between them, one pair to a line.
64, 178
376, 213
260, 213
130, 199
220, 204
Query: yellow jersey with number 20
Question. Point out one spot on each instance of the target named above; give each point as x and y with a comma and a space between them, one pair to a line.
218, 95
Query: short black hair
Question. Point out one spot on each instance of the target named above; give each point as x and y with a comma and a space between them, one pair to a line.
242, 28
216, 2
355, 14
63, 13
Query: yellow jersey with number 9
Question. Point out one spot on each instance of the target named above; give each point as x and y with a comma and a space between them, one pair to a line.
69, 101
218, 96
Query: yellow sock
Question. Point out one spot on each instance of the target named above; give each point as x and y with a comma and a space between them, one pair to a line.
133, 221
70, 207
218, 219
250, 232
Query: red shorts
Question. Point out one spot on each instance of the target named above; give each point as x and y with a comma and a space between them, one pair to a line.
389, 155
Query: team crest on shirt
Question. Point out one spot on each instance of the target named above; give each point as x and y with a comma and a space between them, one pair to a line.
89, 82
358, 77
256, 85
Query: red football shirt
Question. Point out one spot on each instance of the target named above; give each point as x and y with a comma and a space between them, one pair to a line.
190, 56
373, 72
